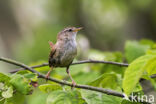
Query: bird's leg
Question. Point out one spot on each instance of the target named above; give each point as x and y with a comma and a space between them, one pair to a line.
48, 74
73, 82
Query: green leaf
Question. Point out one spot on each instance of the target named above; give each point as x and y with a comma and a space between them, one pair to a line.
137, 88
65, 97
107, 56
151, 66
152, 80
112, 56
21, 84
154, 46
147, 42
31, 76
92, 97
104, 81
91, 75
134, 72
37, 97
49, 87
134, 50
40, 69
1, 86
151, 52
4, 78
22, 72
2, 100
16, 99
8, 93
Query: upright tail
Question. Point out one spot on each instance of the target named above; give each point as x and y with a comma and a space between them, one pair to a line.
51, 45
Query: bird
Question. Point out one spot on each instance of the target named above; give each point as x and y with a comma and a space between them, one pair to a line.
64, 51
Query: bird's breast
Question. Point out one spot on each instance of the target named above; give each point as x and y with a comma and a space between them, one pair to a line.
68, 54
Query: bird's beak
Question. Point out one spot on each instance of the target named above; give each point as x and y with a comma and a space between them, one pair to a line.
78, 29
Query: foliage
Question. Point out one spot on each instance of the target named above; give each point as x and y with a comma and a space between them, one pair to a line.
134, 72
103, 80
134, 50
98, 98
66, 97
142, 64
47, 88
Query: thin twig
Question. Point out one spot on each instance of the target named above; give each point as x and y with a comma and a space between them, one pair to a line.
102, 90
153, 76
79, 62
103, 62
35, 66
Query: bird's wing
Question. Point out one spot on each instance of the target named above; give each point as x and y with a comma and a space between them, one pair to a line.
51, 55
51, 45
52, 52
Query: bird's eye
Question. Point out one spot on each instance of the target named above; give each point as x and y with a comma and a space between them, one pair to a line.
70, 30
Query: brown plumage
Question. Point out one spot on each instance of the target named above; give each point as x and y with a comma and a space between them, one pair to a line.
64, 51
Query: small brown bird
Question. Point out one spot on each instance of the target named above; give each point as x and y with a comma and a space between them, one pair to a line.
64, 51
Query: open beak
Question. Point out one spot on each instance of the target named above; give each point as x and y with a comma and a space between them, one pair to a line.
78, 29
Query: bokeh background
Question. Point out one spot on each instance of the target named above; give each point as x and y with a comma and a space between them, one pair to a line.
26, 26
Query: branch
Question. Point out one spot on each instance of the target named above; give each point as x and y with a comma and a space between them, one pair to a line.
79, 62
35, 66
102, 90
103, 62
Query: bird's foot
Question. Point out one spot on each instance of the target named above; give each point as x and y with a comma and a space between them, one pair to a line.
47, 77
73, 84
48, 74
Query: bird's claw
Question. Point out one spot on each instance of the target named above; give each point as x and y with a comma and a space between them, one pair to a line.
47, 77
73, 85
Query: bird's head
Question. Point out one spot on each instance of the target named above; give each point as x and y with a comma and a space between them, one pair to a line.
68, 33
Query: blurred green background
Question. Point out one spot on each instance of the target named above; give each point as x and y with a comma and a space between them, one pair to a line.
26, 26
